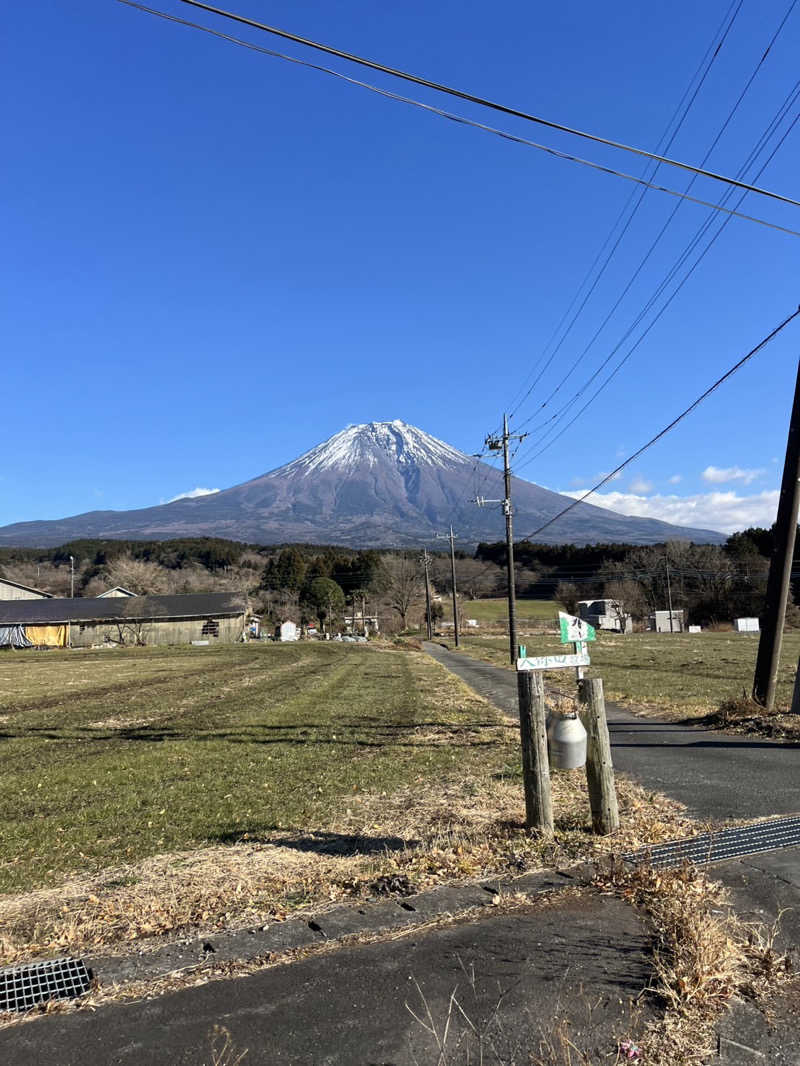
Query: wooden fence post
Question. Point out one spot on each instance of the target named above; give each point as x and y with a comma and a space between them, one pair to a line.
535, 767
599, 767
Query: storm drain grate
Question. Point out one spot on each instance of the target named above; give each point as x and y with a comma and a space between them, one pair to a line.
726, 844
22, 987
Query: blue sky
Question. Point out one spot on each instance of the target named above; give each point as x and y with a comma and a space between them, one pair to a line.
215, 259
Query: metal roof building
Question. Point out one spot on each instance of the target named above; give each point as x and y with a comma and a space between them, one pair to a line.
209, 617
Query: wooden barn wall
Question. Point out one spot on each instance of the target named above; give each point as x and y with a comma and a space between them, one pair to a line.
179, 631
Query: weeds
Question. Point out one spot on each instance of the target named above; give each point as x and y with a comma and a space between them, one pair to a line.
703, 956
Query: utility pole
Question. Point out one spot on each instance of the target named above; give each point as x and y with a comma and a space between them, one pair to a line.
427, 594
451, 538
769, 644
496, 444
72, 577
669, 595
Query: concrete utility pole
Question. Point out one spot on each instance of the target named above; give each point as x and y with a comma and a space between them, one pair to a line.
71, 577
428, 619
496, 444
451, 537
780, 569
669, 595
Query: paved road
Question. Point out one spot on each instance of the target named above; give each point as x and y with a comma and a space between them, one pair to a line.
584, 959
716, 775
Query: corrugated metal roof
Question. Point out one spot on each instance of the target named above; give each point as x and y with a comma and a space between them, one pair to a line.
25, 588
119, 608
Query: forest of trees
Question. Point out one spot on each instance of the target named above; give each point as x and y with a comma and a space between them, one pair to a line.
710, 583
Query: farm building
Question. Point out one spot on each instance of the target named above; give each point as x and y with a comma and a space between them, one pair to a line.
117, 590
605, 614
12, 590
85, 623
661, 622
286, 631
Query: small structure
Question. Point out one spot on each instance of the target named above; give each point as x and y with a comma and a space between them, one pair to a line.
361, 623
605, 614
472, 623
117, 590
286, 631
666, 622
12, 590
695, 629
91, 622
746, 625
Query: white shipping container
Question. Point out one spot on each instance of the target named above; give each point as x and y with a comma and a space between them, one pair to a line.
746, 625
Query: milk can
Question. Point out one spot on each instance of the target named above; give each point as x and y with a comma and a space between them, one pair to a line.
566, 742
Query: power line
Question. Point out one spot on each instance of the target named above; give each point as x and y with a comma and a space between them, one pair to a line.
461, 120
667, 140
462, 95
728, 373
700, 233
742, 170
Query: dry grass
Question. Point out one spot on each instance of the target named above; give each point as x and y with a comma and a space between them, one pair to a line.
703, 956
469, 827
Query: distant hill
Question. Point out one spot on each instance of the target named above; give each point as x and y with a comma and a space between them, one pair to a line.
380, 484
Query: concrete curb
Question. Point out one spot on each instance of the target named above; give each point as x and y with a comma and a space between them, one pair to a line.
377, 915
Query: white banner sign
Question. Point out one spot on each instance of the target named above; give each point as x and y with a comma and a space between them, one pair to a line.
552, 662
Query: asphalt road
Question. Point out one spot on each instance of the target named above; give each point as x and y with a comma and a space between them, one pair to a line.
718, 776
515, 976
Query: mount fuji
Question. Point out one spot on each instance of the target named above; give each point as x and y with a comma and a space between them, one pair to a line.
380, 484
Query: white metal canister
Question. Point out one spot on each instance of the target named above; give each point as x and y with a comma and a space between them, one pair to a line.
566, 741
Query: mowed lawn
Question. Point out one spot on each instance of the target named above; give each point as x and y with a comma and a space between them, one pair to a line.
691, 672
495, 609
107, 757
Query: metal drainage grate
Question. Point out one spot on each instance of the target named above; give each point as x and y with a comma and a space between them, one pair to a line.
22, 987
726, 844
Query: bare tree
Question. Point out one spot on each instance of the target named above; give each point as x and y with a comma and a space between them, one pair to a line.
405, 584
476, 578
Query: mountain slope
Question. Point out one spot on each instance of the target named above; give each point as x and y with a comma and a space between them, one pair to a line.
380, 484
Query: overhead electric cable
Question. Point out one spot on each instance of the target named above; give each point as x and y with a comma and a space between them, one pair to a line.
476, 125
558, 416
450, 91
666, 139
742, 170
662, 433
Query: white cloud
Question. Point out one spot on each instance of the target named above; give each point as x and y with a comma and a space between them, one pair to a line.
192, 494
639, 485
675, 479
719, 475
725, 511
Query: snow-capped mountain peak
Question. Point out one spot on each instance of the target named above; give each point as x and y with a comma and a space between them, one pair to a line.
371, 443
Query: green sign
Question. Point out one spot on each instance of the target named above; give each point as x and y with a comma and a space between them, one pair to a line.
574, 630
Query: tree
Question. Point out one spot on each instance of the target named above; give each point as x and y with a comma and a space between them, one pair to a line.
287, 572
405, 585
476, 578
324, 597
567, 594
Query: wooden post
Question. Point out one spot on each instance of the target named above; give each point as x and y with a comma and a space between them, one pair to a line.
535, 767
599, 767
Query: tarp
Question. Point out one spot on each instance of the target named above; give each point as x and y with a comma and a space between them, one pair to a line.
13, 637
47, 636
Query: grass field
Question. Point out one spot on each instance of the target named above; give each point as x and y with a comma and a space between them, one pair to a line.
109, 755
496, 610
148, 790
685, 672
